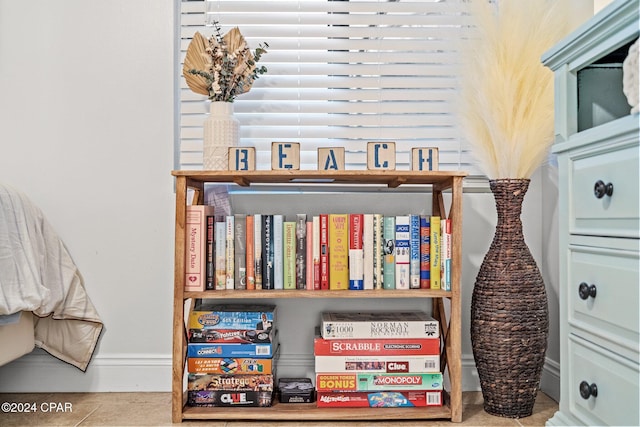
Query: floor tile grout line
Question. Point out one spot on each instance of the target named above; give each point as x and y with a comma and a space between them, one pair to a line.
87, 416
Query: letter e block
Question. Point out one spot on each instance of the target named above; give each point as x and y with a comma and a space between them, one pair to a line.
285, 155
381, 155
424, 159
242, 158
331, 158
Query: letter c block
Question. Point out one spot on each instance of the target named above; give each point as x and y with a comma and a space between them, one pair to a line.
381, 156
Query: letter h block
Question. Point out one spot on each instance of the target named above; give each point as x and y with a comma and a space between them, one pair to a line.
331, 158
381, 156
424, 159
285, 155
242, 158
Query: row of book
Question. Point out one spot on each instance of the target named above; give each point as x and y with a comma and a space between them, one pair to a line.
232, 351
324, 252
378, 359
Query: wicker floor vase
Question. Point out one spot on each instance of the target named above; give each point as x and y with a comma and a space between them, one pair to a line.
509, 313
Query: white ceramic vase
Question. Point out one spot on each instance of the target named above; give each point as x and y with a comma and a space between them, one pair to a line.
221, 131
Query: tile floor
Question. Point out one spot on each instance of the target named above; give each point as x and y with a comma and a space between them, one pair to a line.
154, 409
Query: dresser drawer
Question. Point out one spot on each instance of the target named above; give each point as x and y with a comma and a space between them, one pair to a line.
608, 215
603, 295
616, 381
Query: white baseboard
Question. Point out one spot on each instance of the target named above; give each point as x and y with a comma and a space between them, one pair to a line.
39, 372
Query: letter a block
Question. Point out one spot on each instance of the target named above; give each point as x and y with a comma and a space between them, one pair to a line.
424, 159
242, 159
381, 155
285, 155
331, 158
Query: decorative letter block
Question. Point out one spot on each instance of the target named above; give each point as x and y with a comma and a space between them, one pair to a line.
381, 155
331, 158
285, 155
424, 159
242, 158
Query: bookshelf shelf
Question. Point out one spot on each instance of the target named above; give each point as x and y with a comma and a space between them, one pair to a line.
446, 305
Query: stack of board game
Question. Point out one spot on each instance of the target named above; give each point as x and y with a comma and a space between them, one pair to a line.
231, 354
378, 359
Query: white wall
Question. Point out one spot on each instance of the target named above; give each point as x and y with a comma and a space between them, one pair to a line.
87, 131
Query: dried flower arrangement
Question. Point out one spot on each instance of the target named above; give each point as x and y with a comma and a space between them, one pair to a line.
222, 67
506, 101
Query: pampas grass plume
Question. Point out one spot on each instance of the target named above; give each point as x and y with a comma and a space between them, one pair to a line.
506, 94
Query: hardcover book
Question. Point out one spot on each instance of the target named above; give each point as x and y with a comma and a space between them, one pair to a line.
324, 251
378, 251
196, 247
257, 249
383, 364
300, 263
414, 246
435, 247
339, 247
230, 365
310, 253
412, 324
316, 252
250, 258
267, 252
210, 283
240, 251
402, 251
375, 381
220, 236
367, 251
425, 263
289, 255
446, 253
230, 252
356, 252
278, 258
389, 252
376, 347
379, 399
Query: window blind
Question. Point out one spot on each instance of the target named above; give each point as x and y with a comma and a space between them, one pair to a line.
340, 74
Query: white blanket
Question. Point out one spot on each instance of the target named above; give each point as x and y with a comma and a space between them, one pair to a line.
37, 274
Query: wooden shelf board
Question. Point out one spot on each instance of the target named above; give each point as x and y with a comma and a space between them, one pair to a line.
294, 293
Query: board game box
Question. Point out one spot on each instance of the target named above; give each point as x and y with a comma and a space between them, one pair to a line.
258, 351
232, 316
376, 346
413, 324
379, 399
230, 365
229, 398
236, 382
295, 390
378, 382
384, 364
234, 336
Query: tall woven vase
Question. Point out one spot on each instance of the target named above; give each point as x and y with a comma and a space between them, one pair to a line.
509, 313
221, 131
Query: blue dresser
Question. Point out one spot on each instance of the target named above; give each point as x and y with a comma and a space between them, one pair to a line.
596, 143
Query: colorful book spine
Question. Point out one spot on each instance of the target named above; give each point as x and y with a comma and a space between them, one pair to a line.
403, 256
240, 251
232, 365
257, 249
316, 252
367, 251
324, 251
278, 258
382, 364
378, 251
229, 252
356, 252
379, 399
368, 381
414, 253
376, 347
289, 255
300, 263
446, 253
211, 249
220, 235
310, 252
339, 257
425, 264
435, 245
250, 258
196, 248
389, 250
267, 251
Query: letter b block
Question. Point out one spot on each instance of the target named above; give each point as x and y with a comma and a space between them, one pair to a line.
242, 158
381, 155
285, 155
424, 159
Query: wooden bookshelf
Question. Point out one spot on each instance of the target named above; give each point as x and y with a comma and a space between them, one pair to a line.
446, 305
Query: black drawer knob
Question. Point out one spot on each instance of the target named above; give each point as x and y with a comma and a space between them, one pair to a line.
586, 390
585, 291
600, 189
